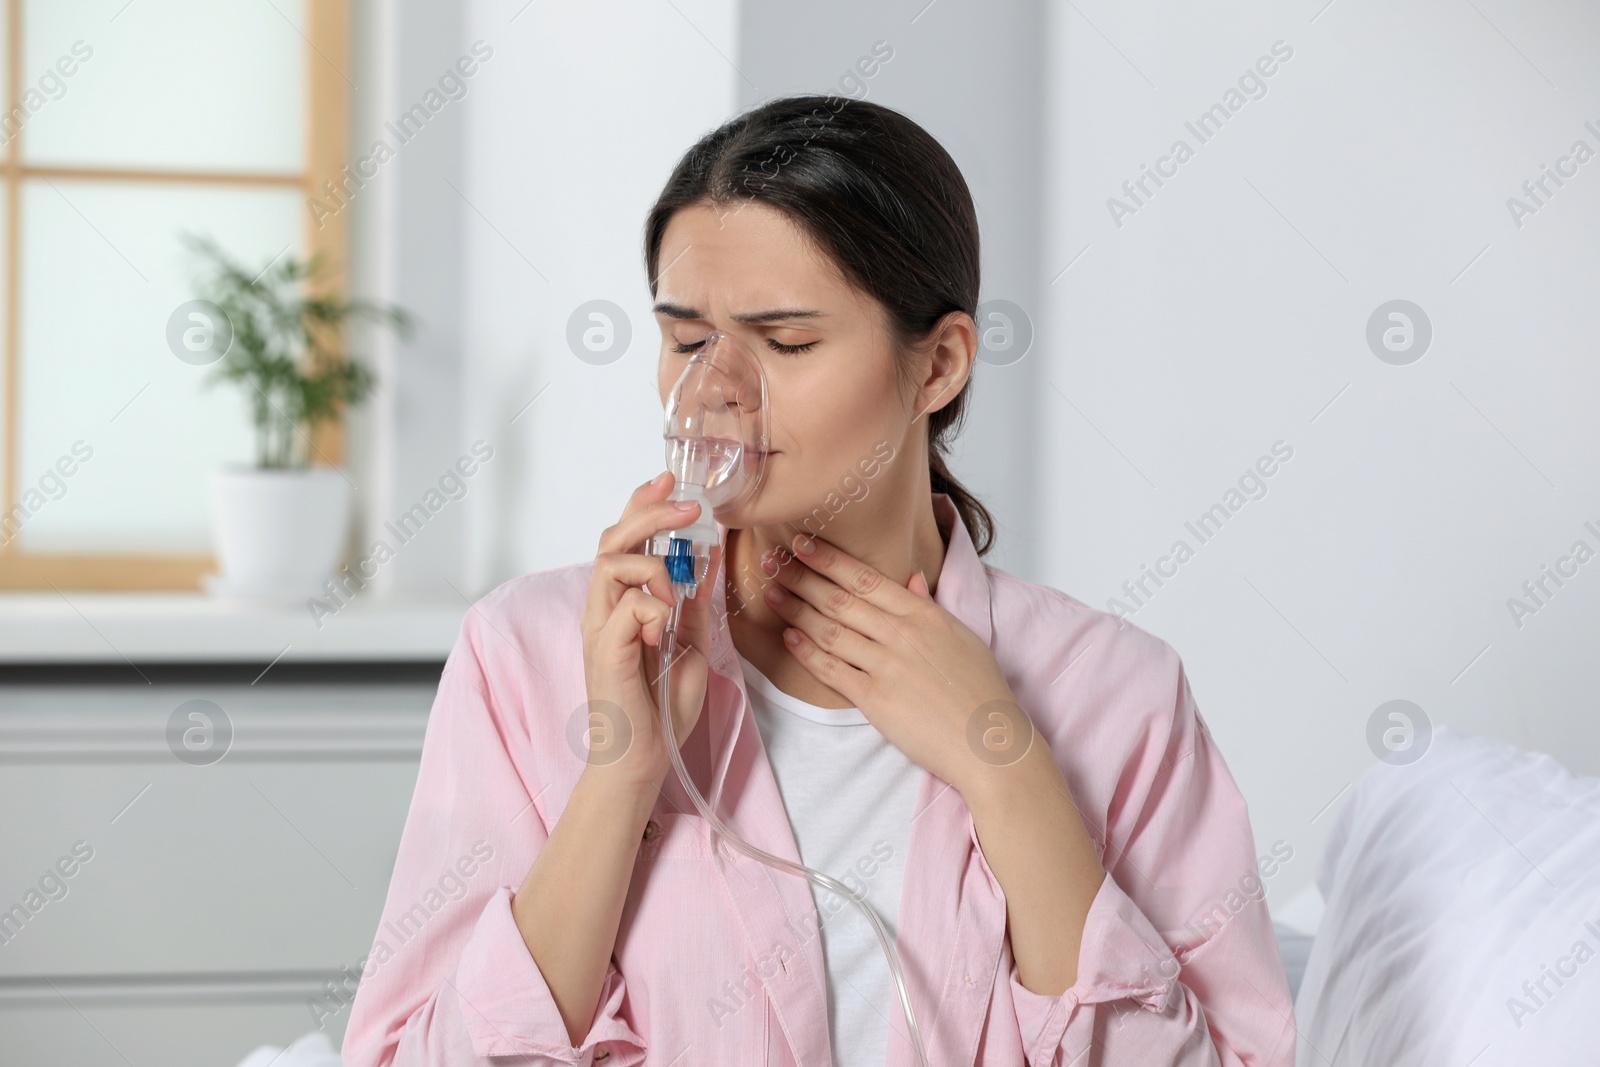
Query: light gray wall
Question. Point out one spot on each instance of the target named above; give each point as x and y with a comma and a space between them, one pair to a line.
971, 74
571, 132
1230, 311
406, 241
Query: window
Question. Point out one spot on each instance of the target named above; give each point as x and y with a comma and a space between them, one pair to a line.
127, 123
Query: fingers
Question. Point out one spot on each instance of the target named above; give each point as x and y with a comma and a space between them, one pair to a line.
694, 627
615, 572
822, 631
655, 489
814, 594
648, 512
621, 562
695, 624
864, 582
622, 568
831, 669
638, 617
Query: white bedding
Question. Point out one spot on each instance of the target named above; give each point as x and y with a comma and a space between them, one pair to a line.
314, 1049
1462, 916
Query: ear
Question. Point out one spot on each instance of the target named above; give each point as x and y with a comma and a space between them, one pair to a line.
954, 342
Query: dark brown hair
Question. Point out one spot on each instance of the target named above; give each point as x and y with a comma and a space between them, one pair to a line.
881, 197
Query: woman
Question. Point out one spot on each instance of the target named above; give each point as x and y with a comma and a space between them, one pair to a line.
1029, 794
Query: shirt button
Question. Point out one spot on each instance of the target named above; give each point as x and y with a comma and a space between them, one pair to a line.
603, 1054
651, 829
969, 979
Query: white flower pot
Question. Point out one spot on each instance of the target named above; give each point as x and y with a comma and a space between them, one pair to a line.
278, 533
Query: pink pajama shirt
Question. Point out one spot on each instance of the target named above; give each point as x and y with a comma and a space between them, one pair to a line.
718, 959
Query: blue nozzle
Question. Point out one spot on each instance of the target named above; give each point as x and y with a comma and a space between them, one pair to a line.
680, 561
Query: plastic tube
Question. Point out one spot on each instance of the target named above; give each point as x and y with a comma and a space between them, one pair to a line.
828, 882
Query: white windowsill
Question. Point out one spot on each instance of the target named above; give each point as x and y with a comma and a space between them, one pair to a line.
82, 627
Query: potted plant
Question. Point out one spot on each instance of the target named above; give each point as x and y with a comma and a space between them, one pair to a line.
281, 523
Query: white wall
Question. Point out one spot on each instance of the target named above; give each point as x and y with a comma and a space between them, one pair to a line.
971, 74
572, 132
1230, 311
521, 198
406, 249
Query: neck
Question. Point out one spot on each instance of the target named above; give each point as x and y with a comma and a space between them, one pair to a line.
897, 540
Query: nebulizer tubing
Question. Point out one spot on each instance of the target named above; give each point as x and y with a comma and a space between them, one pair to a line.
716, 433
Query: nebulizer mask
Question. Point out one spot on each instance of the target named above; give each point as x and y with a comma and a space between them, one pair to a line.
717, 419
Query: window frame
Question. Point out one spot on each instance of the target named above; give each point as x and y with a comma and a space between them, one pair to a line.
327, 36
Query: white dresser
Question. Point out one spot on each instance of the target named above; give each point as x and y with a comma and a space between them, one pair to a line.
201, 808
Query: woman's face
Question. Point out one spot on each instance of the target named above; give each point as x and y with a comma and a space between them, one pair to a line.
834, 401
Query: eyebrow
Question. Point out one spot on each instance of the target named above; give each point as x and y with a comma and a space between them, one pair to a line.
750, 318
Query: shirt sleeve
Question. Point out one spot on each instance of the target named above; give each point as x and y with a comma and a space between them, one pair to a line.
450, 981
1178, 963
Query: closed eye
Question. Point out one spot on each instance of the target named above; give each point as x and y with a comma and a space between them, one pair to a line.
788, 350
776, 346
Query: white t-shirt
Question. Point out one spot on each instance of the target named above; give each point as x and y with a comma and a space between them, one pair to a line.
849, 794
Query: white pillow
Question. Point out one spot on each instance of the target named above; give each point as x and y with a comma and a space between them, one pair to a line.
309, 1050
1462, 923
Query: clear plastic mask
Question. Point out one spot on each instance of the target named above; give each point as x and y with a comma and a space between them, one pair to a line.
716, 425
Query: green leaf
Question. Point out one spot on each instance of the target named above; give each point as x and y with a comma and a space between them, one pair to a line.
287, 354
